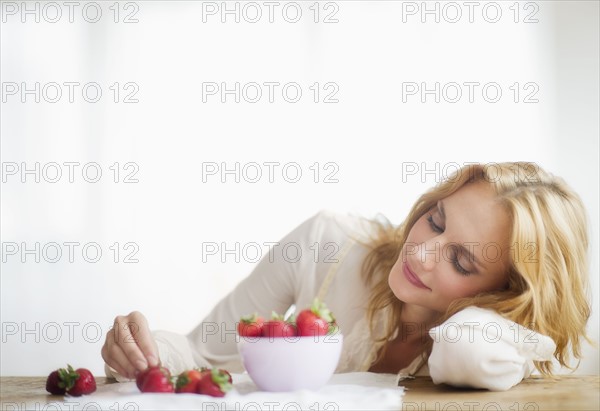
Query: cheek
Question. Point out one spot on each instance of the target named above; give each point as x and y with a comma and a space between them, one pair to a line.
420, 232
460, 289
452, 286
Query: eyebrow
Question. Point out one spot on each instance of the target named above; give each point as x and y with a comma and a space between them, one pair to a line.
463, 249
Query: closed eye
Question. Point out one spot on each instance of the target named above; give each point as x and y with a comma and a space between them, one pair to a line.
454, 258
433, 225
456, 263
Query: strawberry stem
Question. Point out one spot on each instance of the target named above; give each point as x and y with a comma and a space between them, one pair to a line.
221, 379
67, 377
321, 310
275, 316
249, 319
182, 380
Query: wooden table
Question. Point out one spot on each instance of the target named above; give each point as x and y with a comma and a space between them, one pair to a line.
567, 393
532, 394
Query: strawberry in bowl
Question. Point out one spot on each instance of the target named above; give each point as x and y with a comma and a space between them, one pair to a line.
292, 355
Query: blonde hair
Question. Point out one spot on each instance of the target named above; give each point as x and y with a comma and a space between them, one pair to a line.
547, 287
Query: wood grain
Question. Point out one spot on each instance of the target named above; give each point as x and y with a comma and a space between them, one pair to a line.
537, 393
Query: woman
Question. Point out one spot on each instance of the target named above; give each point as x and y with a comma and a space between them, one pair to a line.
485, 280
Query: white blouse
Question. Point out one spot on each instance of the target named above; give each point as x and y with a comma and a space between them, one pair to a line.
323, 259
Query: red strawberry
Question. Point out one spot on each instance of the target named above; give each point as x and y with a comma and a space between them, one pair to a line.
157, 379
204, 370
278, 327
214, 383
54, 384
85, 384
73, 382
187, 381
140, 377
314, 321
250, 326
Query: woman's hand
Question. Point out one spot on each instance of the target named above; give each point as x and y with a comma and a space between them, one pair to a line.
129, 346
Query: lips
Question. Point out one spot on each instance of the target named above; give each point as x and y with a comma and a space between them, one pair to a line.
412, 277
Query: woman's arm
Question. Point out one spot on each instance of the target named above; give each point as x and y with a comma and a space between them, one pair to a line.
277, 282
479, 348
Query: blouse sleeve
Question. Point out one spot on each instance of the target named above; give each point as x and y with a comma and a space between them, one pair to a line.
287, 276
481, 349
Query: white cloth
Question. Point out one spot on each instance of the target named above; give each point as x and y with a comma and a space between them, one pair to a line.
329, 267
481, 349
351, 391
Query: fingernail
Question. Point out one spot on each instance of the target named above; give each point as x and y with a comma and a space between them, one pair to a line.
141, 364
152, 360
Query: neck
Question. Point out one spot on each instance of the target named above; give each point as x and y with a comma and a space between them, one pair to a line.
416, 322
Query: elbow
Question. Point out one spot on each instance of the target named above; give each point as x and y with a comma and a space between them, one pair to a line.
469, 364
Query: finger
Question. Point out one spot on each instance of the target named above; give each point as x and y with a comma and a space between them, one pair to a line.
115, 358
144, 339
126, 330
104, 350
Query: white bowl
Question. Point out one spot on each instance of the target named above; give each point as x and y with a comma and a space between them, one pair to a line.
291, 363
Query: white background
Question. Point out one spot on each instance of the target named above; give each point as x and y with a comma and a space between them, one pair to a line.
370, 136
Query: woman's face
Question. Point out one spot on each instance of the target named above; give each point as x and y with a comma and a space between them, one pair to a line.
457, 249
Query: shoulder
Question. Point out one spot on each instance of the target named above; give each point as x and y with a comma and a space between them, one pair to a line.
329, 225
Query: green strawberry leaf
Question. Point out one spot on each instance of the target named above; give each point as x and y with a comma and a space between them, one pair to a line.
275, 316
249, 319
67, 377
321, 310
221, 379
182, 381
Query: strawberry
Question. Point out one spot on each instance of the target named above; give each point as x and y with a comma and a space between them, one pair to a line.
314, 321
156, 379
140, 376
227, 374
204, 370
187, 381
333, 328
214, 383
250, 326
73, 382
85, 384
278, 327
54, 384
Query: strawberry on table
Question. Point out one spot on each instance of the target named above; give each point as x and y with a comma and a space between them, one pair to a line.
187, 381
54, 384
278, 327
204, 370
315, 321
139, 378
250, 326
215, 383
227, 374
156, 379
85, 384
73, 382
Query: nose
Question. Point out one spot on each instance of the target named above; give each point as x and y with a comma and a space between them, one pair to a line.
429, 254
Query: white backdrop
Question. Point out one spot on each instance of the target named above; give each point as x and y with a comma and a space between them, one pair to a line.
161, 127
